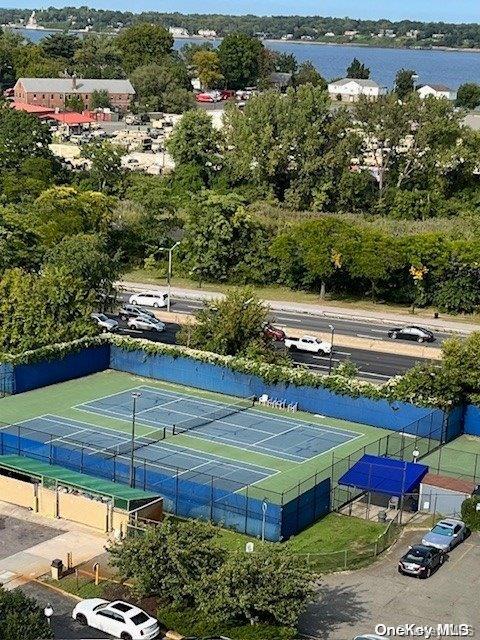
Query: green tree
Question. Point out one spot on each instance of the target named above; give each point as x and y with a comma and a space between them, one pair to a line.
228, 326
21, 618
239, 56
22, 136
100, 100
60, 45
10, 43
106, 173
86, 257
41, 309
98, 57
195, 141
207, 67
468, 96
18, 243
74, 103
191, 48
267, 586
358, 70
404, 83
30, 61
169, 560
143, 44
163, 86
307, 74
63, 211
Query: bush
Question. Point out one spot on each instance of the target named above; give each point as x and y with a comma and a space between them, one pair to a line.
188, 622
470, 515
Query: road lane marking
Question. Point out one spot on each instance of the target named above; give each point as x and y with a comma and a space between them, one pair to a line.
289, 319
363, 335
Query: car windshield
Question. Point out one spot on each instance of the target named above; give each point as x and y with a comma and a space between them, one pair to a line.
102, 605
415, 555
443, 530
139, 618
101, 317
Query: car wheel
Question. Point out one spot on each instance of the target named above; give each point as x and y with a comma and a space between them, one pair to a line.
81, 619
320, 352
399, 570
442, 559
427, 573
125, 636
293, 347
394, 336
155, 305
420, 339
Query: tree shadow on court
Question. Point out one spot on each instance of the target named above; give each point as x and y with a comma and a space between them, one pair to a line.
333, 608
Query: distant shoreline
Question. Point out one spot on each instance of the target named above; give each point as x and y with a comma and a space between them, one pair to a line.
367, 46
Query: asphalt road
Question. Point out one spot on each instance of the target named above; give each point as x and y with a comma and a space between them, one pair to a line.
372, 365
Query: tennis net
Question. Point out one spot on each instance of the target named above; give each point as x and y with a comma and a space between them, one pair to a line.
214, 416
140, 442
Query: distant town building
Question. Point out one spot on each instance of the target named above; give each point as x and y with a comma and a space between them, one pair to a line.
350, 89
438, 36
178, 32
437, 91
288, 36
350, 34
329, 34
413, 33
207, 33
280, 80
387, 33
53, 92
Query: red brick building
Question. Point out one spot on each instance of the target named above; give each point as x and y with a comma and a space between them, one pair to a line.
53, 92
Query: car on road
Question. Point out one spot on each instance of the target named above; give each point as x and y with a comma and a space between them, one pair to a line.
446, 534
421, 561
274, 333
105, 323
133, 311
417, 334
154, 299
146, 323
309, 344
119, 619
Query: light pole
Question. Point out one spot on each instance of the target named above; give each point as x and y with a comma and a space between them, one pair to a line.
48, 611
169, 274
135, 396
332, 336
415, 455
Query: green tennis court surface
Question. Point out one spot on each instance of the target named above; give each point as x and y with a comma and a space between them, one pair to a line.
459, 459
268, 448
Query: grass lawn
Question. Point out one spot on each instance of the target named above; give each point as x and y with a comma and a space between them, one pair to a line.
83, 587
284, 293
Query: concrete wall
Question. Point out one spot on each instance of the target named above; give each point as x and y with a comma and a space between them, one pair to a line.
441, 501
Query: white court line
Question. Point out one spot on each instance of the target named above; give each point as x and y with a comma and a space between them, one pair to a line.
70, 435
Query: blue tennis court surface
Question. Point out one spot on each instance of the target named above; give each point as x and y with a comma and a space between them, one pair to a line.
250, 429
172, 459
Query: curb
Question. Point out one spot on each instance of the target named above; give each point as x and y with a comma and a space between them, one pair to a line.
57, 589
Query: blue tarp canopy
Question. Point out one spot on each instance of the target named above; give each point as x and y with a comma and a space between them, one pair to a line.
384, 475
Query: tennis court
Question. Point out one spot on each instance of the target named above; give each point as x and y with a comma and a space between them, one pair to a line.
237, 424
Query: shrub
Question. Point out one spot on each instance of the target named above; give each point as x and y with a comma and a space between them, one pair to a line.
470, 515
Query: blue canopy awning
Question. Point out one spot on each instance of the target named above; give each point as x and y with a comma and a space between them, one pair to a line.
384, 475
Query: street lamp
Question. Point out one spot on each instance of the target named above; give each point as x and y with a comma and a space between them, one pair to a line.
415, 454
169, 274
135, 396
332, 335
48, 611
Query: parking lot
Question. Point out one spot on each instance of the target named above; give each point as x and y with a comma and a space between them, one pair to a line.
352, 603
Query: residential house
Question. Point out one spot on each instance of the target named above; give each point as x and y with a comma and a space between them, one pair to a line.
437, 91
207, 33
350, 89
178, 32
350, 34
280, 80
53, 92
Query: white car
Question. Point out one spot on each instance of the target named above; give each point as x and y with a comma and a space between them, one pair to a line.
146, 323
310, 344
107, 324
118, 619
149, 299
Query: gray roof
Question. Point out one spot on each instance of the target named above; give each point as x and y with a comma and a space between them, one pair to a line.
361, 82
280, 78
436, 87
83, 85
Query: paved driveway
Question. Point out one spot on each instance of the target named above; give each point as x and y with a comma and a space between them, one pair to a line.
352, 603
17, 535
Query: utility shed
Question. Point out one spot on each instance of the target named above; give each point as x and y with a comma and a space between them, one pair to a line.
443, 495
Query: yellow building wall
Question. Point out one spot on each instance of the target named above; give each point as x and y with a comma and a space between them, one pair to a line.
17, 492
47, 503
77, 508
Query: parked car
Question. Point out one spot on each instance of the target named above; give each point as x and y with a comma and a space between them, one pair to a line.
132, 311
105, 323
146, 323
446, 534
418, 334
310, 344
149, 299
421, 561
273, 332
118, 619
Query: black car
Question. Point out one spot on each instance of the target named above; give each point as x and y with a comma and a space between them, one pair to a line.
421, 561
418, 334
133, 311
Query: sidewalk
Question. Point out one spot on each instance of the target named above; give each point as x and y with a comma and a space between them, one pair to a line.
329, 311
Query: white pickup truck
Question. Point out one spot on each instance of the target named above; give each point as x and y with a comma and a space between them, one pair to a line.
308, 343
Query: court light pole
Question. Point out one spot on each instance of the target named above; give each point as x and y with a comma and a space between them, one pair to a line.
169, 274
332, 336
135, 396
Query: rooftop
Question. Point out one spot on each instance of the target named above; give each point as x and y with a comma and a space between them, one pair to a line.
359, 81
76, 85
